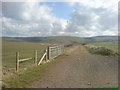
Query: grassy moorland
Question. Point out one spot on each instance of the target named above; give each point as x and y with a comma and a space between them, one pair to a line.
27, 45
64, 39
26, 50
109, 45
25, 77
104, 48
22, 78
52, 39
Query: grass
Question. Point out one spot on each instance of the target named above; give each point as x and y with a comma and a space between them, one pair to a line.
25, 77
105, 48
26, 50
109, 45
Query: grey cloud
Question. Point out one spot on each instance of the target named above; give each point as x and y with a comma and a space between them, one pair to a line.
38, 22
12, 9
84, 18
22, 19
108, 20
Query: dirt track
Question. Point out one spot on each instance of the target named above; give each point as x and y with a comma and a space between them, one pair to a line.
80, 70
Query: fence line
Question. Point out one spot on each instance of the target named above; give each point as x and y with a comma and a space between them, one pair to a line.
18, 60
50, 53
44, 55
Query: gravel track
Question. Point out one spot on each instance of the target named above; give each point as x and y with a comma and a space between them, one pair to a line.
80, 69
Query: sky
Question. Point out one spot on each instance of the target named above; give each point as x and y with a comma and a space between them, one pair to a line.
81, 18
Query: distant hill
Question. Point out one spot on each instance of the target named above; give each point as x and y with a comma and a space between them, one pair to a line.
63, 39
54, 39
102, 39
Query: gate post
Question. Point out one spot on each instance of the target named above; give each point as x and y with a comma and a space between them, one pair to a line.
48, 52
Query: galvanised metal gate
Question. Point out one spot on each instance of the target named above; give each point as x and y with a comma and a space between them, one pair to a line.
55, 51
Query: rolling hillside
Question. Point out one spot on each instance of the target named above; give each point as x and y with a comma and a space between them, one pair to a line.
55, 39
108, 45
63, 39
102, 39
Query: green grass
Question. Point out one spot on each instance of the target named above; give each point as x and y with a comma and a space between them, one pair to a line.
109, 45
23, 78
104, 48
26, 50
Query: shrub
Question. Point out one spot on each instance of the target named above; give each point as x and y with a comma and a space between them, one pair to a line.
100, 50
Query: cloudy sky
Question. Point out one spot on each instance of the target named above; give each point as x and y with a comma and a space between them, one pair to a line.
85, 18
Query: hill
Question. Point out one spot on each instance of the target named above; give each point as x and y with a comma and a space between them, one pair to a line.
102, 39
63, 39
54, 39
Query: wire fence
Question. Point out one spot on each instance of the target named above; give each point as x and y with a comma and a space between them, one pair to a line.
9, 60
30, 58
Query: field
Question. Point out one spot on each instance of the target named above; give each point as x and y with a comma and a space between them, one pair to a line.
109, 45
27, 46
25, 77
26, 50
28, 74
57, 73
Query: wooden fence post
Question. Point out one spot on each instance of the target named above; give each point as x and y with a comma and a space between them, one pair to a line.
17, 61
35, 57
